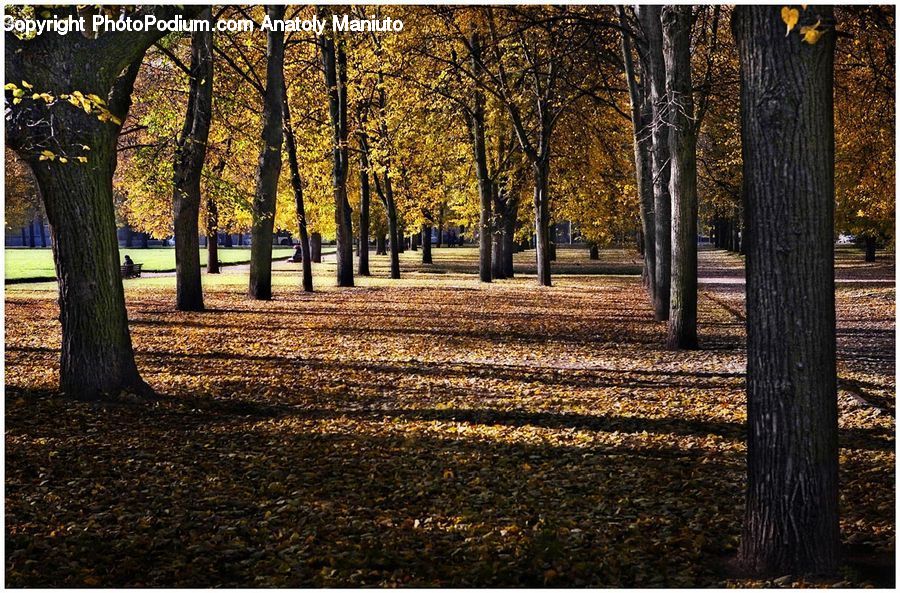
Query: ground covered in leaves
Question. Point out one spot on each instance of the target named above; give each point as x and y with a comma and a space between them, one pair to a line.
431, 431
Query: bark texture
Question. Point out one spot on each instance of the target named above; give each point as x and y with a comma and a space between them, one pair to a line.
791, 520
334, 60
190, 155
662, 207
96, 358
641, 119
269, 166
364, 224
677, 25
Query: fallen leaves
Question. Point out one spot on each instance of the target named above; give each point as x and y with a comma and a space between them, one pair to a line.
412, 434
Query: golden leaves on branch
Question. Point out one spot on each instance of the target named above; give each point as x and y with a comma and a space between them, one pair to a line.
810, 33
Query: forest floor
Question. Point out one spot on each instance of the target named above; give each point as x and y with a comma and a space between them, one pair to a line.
427, 431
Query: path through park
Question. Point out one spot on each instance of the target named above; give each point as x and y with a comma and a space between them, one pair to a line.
512, 436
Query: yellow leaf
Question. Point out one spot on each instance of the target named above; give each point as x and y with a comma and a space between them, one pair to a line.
790, 16
63, 159
81, 159
811, 34
26, 85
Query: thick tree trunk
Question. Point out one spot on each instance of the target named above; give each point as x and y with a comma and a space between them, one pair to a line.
315, 248
541, 171
297, 186
871, 246
677, 25
32, 238
364, 198
662, 207
96, 359
414, 242
269, 166
334, 60
426, 244
594, 252
791, 517
190, 155
380, 248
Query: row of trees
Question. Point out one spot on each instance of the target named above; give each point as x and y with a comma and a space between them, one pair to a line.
466, 113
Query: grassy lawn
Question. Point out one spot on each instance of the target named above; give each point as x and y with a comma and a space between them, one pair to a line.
38, 263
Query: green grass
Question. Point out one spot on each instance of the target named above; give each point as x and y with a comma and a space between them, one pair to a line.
37, 264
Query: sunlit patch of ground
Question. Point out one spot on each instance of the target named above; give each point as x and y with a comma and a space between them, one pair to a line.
431, 431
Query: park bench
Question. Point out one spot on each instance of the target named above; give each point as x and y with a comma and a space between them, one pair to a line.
132, 271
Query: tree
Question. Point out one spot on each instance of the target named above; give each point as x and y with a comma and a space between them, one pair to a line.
297, 187
641, 124
190, 154
334, 62
64, 121
677, 26
660, 164
864, 132
791, 517
269, 164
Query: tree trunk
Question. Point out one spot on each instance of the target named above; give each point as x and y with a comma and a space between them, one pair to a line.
315, 247
476, 121
541, 171
677, 25
641, 118
212, 236
386, 195
791, 517
334, 60
414, 242
509, 237
871, 246
426, 244
297, 186
32, 239
269, 165
380, 248
190, 155
364, 198
594, 252
662, 207
96, 359
735, 235
499, 207
24, 237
